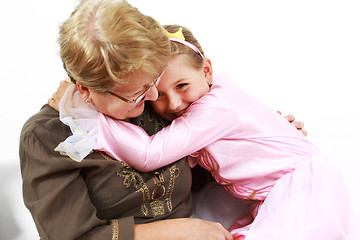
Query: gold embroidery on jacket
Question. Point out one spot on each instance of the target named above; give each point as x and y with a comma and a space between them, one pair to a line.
145, 194
157, 208
133, 178
174, 173
115, 230
160, 196
157, 204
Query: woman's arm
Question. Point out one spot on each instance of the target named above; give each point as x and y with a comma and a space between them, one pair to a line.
182, 229
56, 195
53, 189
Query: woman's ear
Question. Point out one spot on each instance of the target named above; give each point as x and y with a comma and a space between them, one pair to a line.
84, 92
208, 71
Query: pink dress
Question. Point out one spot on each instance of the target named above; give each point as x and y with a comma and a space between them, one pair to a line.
254, 153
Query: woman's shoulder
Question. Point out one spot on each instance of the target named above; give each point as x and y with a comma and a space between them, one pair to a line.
40, 135
44, 124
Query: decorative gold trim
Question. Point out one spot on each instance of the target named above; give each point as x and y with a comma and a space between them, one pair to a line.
115, 230
252, 195
107, 157
174, 173
132, 178
157, 208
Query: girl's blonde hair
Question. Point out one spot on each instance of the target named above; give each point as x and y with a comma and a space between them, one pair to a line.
105, 42
177, 48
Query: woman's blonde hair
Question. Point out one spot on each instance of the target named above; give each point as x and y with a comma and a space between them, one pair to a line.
177, 48
105, 42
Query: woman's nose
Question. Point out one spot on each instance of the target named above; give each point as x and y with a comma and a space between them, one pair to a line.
152, 94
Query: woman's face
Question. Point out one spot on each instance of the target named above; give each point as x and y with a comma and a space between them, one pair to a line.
180, 85
113, 106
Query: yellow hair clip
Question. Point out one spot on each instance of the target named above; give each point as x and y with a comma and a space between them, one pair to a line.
179, 37
178, 34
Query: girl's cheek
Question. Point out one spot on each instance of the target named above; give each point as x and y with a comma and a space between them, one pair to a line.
158, 106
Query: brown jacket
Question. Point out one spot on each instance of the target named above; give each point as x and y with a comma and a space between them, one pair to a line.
98, 198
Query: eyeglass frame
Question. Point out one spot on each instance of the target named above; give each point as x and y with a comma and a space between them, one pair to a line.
142, 96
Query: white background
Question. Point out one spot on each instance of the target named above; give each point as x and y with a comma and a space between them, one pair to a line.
300, 57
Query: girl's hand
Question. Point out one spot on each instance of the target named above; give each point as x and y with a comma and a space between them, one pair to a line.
54, 101
298, 124
182, 229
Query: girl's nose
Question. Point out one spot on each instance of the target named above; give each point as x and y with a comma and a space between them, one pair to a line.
174, 102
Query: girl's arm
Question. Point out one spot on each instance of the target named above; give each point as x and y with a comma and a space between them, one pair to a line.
57, 196
198, 127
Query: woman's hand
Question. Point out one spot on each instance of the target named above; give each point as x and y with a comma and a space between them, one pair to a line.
182, 229
298, 124
54, 101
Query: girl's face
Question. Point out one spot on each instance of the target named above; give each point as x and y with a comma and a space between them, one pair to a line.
113, 106
181, 85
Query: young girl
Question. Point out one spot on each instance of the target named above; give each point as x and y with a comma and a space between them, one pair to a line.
248, 148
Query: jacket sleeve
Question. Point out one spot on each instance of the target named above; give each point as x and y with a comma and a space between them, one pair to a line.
55, 192
200, 126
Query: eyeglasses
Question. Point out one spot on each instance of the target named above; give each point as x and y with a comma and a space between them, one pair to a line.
140, 98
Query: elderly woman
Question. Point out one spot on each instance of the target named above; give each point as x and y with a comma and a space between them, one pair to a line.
114, 54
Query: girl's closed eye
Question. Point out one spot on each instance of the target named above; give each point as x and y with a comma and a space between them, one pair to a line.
182, 86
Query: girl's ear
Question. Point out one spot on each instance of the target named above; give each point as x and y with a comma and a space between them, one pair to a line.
84, 92
208, 71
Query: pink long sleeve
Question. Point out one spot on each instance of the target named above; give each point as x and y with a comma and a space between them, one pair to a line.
200, 126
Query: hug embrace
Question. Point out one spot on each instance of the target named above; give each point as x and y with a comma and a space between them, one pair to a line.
142, 109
